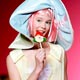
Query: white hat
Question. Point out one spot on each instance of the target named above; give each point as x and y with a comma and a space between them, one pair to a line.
19, 21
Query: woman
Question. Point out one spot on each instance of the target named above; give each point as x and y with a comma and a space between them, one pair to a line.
39, 60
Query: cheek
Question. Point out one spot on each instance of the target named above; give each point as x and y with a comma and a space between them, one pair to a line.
35, 23
35, 26
48, 28
33, 32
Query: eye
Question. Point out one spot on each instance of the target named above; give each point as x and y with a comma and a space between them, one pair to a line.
38, 20
48, 22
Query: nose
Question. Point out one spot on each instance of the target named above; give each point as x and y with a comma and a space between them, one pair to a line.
43, 25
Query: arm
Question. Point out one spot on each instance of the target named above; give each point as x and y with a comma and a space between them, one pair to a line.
14, 74
12, 70
40, 63
34, 75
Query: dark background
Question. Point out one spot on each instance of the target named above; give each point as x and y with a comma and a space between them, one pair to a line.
7, 35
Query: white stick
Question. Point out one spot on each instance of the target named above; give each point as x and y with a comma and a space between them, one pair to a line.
40, 45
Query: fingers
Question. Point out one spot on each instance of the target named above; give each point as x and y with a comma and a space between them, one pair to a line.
40, 59
44, 62
41, 55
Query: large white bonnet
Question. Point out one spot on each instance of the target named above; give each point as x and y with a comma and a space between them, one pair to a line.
19, 21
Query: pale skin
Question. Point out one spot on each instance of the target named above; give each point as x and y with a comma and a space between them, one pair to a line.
42, 23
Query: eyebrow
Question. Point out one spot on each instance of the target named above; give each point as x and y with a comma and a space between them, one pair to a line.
42, 18
48, 20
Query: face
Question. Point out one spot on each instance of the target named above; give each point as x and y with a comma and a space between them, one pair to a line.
41, 23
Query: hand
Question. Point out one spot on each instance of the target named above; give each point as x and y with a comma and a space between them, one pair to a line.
40, 59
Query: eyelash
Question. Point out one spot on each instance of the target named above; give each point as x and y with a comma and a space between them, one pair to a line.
38, 20
46, 22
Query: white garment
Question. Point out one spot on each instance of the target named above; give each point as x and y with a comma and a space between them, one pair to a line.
54, 69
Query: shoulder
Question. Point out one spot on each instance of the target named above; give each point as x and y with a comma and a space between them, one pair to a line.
15, 55
9, 55
57, 51
57, 48
12, 69
9, 61
60, 48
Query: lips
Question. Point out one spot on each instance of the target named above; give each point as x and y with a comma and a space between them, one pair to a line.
39, 37
41, 31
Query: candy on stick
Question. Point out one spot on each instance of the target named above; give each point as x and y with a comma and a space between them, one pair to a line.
39, 38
